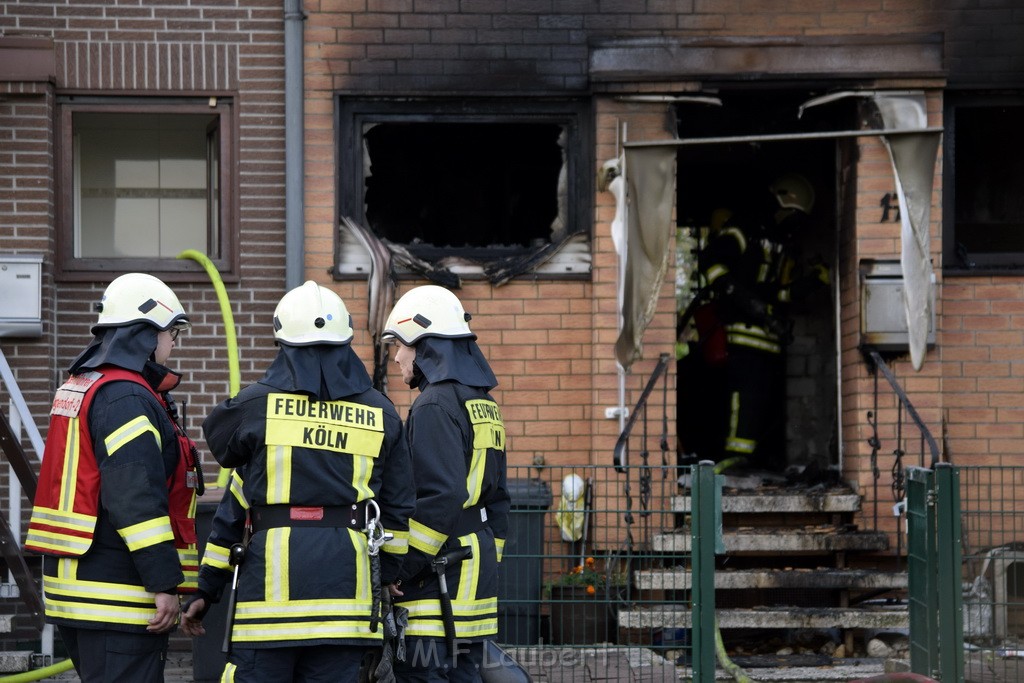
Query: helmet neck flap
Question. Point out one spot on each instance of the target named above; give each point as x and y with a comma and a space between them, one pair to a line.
130, 347
441, 359
327, 371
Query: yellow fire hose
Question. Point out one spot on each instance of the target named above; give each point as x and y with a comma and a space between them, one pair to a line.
733, 669
229, 332
39, 674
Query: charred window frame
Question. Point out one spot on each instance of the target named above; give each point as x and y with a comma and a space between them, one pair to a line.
467, 185
983, 177
140, 181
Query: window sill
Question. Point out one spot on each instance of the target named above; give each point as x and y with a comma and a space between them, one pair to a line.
180, 270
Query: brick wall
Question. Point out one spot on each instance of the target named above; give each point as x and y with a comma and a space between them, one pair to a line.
983, 45
222, 46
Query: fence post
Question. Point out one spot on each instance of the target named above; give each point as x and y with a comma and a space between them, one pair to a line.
704, 506
950, 581
921, 558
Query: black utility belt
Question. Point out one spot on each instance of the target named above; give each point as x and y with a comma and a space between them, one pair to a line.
334, 516
470, 521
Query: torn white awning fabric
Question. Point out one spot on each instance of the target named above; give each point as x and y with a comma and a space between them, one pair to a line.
913, 164
650, 188
913, 149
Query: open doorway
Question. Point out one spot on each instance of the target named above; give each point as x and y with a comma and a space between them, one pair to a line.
729, 370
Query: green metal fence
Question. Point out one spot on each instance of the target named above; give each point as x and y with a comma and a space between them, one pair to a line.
603, 599
581, 586
934, 561
992, 524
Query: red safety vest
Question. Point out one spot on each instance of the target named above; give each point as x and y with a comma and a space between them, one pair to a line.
67, 496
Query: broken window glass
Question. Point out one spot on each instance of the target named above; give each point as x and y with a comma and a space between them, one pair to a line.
487, 191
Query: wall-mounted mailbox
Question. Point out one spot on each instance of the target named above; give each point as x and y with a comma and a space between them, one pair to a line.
21, 298
883, 322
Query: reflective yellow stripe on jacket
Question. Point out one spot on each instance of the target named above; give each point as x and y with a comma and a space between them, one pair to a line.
71, 598
65, 517
473, 618
280, 617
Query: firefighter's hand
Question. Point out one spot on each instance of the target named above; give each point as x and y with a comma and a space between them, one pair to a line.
192, 614
166, 613
394, 590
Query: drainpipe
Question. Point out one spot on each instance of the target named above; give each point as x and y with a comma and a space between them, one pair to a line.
294, 157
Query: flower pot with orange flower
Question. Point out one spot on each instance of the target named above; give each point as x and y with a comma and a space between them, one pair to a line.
584, 604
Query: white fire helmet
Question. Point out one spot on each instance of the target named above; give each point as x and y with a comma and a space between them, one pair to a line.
140, 297
793, 191
311, 314
427, 311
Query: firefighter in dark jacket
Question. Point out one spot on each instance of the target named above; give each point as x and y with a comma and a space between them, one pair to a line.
114, 507
457, 441
321, 495
753, 270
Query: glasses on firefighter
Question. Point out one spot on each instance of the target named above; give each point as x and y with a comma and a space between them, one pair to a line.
174, 332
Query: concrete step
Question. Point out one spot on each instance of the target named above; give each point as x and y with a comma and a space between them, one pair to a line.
785, 617
15, 660
817, 540
837, 672
767, 500
679, 578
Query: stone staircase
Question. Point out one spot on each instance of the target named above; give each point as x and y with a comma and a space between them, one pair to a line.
12, 661
794, 561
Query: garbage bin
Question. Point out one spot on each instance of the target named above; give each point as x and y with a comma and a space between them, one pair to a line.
521, 571
207, 659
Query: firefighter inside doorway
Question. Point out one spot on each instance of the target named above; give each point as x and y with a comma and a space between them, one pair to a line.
751, 269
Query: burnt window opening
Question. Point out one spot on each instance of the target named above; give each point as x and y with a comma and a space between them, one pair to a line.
983, 174
463, 184
488, 190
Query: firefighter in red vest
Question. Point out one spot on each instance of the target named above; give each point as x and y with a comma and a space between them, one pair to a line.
315, 520
113, 513
449, 582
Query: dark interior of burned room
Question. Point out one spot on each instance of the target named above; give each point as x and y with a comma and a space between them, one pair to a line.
463, 184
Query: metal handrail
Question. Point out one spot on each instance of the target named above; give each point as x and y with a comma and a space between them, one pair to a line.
905, 401
621, 453
24, 480
898, 471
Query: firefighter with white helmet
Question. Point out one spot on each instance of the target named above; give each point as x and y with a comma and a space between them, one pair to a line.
753, 272
322, 474
793, 191
456, 438
140, 297
119, 540
427, 311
